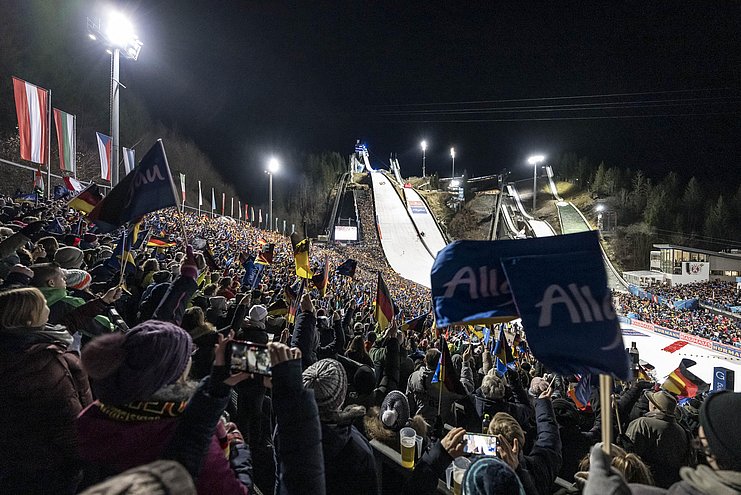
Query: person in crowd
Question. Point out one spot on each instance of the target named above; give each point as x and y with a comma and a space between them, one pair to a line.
204, 338
356, 351
719, 441
425, 397
657, 438
494, 396
305, 335
43, 388
348, 458
140, 380
384, 423
538, 469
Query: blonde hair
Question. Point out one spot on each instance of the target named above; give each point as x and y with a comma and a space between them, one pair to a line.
504, 424
20, 307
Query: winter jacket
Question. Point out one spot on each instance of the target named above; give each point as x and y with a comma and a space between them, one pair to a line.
88, 321
537, 470
298, 434
518, 406
111, 446
305, 337
662, 444
331, 338
172, 307
424, 396
348, 461
701, 480
43, 389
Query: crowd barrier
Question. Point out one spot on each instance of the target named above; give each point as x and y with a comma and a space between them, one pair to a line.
687, 337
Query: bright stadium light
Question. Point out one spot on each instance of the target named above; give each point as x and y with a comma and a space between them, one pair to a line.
534, 160
455, 183
600, 207
452, 155
273, 167
118, 37
423, 144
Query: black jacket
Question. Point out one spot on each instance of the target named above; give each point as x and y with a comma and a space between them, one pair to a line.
305, 337
537, 470
298, 435
348, 461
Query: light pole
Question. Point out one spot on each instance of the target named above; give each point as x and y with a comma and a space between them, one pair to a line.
273, 166
534, 161
452, 155
117, 35
423, 144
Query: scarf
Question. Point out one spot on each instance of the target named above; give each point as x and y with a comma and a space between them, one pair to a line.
708, 480
27, 336
143, 410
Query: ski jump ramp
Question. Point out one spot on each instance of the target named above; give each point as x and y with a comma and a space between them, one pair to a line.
424, 221
403, 247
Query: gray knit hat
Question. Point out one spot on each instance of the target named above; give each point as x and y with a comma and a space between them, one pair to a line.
328, 379
69, 257
394, 411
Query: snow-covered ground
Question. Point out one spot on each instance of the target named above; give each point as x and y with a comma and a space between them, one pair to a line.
424, 221
402, 246
650, 347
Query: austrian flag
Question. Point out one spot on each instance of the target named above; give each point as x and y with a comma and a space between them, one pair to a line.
32, 107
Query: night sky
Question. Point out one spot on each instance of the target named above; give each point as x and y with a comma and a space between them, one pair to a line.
249, 79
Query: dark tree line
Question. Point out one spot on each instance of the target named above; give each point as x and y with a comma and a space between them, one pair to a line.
667, 209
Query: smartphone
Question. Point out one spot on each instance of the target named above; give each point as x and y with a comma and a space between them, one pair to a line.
479, 444
249, 357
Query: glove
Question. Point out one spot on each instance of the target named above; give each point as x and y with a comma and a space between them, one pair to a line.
603, 479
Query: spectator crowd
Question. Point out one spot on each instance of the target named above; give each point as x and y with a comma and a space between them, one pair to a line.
119, 377
699, 321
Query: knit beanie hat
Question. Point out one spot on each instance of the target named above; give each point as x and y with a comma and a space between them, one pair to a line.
258, 312
133, 366
722, 433
328, 379
394, 413
491, 476
77, 279
69, 257
492, 386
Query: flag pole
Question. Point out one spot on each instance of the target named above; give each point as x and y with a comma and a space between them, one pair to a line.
48, 149
441, 378
605, 389
124, 259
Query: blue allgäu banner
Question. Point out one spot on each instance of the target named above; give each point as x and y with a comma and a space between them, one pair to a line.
469, 286
566, 310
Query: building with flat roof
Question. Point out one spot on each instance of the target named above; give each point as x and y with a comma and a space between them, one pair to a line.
671, 264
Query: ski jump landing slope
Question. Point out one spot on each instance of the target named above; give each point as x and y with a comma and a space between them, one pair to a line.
425, 222
404, 250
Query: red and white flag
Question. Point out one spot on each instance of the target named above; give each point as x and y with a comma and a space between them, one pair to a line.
32, 107
73, 184
104, 150
182, 186
200, 194
129, 159
66, 139
223, 200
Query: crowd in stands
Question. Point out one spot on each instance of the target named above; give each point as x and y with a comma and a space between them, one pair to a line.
699, 321
717, 293
118, 377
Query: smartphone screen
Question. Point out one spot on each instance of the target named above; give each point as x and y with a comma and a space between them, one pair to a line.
250, 357
480, 444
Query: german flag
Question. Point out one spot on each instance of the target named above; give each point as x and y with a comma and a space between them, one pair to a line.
87, 199
293, 308
683, 382
159, 242
321, 279
384, 312
417, 323
278, 308
301, 255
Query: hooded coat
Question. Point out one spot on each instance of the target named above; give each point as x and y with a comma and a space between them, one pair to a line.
43, 390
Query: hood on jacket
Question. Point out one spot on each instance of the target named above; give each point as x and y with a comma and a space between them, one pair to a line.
53, 294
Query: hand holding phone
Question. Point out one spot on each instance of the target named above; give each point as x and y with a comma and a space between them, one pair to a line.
249, 357
479, 444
